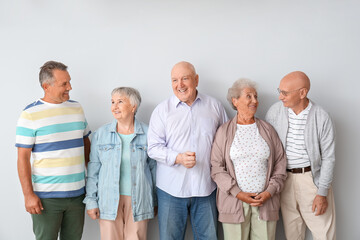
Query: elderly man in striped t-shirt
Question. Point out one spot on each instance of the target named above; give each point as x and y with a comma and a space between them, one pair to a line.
307, 134
53, 130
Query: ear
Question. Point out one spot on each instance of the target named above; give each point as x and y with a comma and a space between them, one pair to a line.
45, 86
234, 102
134, 108
197, 79
303, 93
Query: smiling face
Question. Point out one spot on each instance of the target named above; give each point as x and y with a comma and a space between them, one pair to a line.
247, 103
121, 107
184, 82
293, 90
58, 91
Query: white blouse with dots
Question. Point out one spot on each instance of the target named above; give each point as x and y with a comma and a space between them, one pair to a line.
249, 153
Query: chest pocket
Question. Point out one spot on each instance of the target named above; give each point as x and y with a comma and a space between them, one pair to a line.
141, 152
107, 152
207, 126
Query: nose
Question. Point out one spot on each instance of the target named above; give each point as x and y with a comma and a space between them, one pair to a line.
69, 87
181, 83
254, 99
281, 97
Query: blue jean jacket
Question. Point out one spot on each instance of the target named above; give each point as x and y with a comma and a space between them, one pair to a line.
103, 174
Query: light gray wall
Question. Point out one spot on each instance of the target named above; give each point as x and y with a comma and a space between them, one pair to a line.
135, 43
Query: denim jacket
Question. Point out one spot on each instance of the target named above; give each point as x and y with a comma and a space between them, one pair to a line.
103, 177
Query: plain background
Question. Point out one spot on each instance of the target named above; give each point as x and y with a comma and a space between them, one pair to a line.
111, 43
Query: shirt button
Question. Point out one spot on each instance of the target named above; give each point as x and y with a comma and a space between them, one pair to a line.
134, 202
133, 150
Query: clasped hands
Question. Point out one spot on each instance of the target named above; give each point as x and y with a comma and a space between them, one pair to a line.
254, 199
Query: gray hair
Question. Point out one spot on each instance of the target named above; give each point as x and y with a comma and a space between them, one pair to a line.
237, 87
46, 71
131, 93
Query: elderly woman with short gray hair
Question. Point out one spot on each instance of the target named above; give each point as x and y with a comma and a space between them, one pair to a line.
120, 187
248, 164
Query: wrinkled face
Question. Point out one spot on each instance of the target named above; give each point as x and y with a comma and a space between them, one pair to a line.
121, 107
58, 91
184, 83
289, 93
247, 103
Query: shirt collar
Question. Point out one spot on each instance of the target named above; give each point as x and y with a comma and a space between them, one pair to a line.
306, 110
177, 101
137, 127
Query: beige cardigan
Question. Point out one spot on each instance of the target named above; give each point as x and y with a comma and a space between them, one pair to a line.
223, 173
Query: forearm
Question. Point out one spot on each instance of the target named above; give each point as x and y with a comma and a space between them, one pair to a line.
160, 153
24, 171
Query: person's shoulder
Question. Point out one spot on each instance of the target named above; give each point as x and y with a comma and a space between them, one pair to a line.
143, 125
73, 103
225, 126
318, 108
165, 105
276, 107
104, 128
32, 105
209, 100
264, 124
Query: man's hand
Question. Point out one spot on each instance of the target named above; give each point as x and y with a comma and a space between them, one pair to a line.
33, 204
187, 159
320, 205
93, 213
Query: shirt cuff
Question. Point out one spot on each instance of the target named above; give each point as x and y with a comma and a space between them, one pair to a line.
90, 204
322, 191
171, 158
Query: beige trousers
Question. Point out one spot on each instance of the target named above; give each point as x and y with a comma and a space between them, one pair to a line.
296, 208
252, 228
124, 226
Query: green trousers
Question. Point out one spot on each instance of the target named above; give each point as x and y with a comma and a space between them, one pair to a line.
64, 215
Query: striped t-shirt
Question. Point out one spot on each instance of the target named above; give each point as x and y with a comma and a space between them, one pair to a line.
55, 133
296, 153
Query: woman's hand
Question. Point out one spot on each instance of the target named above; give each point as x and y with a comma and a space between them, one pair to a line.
263, 197
254, 199
248, 198
93, 213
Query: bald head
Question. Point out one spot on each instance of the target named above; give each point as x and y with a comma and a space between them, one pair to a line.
184, 65
293, 90
296, 80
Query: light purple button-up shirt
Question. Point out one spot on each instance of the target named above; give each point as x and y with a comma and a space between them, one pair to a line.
175, 128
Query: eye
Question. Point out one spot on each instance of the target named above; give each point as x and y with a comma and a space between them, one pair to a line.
174, 80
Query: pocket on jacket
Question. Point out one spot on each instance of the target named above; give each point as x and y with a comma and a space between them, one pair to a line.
106, 152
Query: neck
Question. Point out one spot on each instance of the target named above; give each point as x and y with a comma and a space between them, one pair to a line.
190, 102
301, 106
245, 119
50, 100
125, 126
